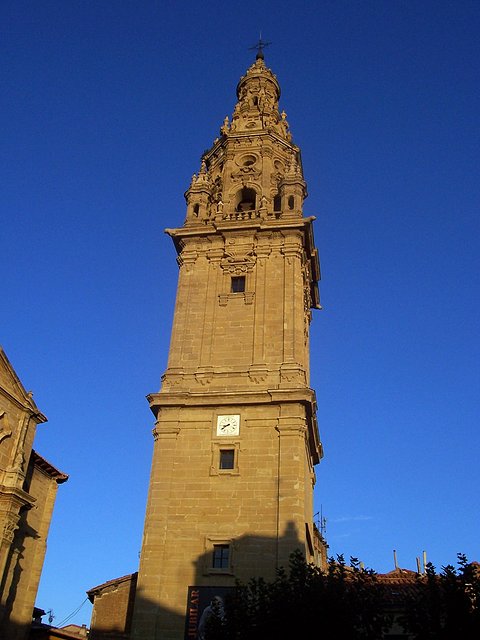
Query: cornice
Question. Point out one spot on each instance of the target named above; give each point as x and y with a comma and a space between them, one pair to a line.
304, 395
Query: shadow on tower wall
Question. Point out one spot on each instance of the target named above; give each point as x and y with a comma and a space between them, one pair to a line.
252, 556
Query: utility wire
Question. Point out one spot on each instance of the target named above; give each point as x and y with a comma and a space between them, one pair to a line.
69, 617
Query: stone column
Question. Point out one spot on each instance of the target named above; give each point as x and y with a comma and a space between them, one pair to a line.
292, 432
174, 372
214, 257
149, 606
258, 370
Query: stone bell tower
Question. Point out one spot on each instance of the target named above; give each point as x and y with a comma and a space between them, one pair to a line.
235, 437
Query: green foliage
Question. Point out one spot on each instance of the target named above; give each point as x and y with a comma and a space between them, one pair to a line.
447, 604
341, 602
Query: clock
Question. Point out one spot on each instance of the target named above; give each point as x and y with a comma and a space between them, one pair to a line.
228, 425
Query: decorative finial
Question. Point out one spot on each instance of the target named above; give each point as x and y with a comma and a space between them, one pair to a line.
261, 44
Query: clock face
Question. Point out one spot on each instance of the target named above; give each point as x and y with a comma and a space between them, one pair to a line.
228, 425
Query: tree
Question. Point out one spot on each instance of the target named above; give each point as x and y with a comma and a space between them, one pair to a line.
446, 606
343, 601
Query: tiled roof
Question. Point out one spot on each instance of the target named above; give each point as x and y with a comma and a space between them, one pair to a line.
399, 585
91, 593
49, 468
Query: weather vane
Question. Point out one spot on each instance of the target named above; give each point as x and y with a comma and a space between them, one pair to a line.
261, 44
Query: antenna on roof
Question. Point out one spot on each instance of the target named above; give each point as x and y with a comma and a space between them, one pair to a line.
419, 571
321, 522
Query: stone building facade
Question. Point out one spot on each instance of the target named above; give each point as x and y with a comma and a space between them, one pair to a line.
236, 438
112, 608
28, 488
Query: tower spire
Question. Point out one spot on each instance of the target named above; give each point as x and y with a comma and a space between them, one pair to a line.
259, 46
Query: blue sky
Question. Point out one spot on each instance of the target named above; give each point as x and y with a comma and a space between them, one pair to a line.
106, 109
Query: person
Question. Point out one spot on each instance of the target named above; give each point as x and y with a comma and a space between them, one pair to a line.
214, 608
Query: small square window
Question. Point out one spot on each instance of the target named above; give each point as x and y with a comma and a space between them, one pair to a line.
221, 556
227, 459
238, 284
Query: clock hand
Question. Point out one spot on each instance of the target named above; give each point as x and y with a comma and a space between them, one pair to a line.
225, 426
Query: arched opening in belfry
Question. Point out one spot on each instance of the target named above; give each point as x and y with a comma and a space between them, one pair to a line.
277, 202
246, 199
291, 202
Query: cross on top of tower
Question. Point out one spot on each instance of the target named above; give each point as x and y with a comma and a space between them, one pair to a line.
261, 44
